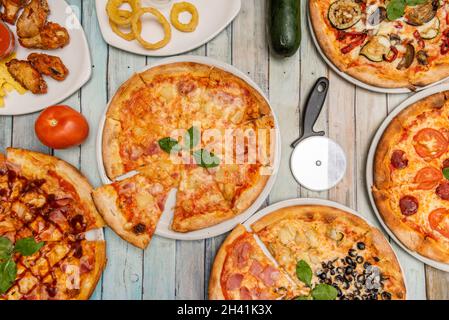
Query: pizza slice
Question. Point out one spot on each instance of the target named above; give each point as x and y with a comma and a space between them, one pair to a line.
340, 249
49, 197
199, 202
245, 164
226, 102
59, 271
242, 271
418, 217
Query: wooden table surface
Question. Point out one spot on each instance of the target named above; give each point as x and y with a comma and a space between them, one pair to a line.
180, 269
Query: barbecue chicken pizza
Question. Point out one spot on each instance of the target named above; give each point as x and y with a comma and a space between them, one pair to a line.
385, 43
190, 127
46, 210
411, 177
321, 253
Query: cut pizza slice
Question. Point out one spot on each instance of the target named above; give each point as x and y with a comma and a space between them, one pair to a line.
199, 202
337, 247
244, 163
49, 196
132, 207
59, 271
242, 271
225, 103
419, 218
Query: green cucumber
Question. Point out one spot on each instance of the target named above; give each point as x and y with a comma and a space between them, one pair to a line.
284, 26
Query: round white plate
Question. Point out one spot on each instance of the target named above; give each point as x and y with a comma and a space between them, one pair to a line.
214, 16
370, 169
163, 228
306, 202
75, 56
354, 80
95, 235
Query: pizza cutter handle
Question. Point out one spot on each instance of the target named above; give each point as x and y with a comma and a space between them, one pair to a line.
313, 109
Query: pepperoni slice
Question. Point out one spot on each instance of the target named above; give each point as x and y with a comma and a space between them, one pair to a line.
430, 143
409, 205
439, 221
443, 190
428, 178
399, 159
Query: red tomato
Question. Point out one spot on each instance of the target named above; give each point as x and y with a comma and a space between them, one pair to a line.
61, 127
439, 221
430, 143
428, 178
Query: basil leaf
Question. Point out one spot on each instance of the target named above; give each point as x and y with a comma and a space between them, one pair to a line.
6, 248
192, 138
324, 292
8, 273
395, 9
168, 144
206, 159
446, 173
28, 246
304, 272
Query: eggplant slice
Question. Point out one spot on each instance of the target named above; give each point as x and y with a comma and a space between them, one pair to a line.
421, 14
376, 48
343, 14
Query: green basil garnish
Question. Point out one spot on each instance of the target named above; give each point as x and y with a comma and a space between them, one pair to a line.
206, 159
324, 292
396, 8
8, 268
304, 272
28, 246
168, 144
446, 173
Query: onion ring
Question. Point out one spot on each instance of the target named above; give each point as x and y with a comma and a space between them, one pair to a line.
116, 28
161, 19
182, 7
116, 14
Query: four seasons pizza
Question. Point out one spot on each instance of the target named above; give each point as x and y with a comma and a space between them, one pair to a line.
45, 211
411, 177
209, 132
385, 43
321, 253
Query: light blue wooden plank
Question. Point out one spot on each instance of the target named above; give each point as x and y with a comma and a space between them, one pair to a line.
5, 132
93, 101
123, 275
312, 67
221, 49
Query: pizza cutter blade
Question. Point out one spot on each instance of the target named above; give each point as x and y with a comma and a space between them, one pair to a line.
317, 163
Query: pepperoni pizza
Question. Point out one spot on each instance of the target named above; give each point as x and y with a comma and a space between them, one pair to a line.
411, 177
45, 200
388, 44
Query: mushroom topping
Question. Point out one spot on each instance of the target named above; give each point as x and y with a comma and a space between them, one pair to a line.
408, 57
379, 15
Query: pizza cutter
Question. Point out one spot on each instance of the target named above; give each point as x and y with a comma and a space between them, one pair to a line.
317, 163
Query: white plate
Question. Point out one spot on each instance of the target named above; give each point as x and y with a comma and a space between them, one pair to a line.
75, 56
214, 16
305, 202
353, 80
370, 169
163, 229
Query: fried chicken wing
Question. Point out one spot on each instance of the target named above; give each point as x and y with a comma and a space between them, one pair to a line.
51, 36
24, 73
49, 65
11, 10
32, 19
